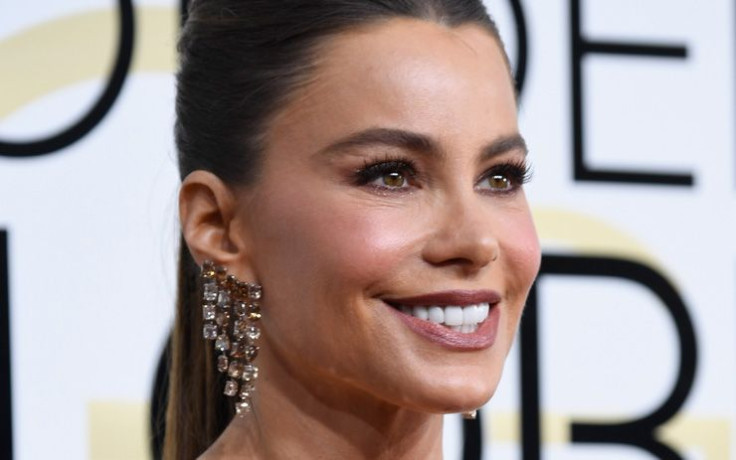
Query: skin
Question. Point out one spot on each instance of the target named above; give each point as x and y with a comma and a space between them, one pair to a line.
341, 375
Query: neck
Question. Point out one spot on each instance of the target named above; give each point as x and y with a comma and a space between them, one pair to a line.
327, 420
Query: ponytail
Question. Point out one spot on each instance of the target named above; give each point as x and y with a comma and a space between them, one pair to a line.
197, 410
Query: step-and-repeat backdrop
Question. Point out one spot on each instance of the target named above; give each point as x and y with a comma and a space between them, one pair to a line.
628, 345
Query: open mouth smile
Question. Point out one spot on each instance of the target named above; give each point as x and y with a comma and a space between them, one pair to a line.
464, 319
459, 319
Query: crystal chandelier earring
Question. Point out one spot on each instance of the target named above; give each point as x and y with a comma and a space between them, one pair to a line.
231, 310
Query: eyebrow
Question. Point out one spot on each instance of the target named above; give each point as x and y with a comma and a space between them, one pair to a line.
420, 143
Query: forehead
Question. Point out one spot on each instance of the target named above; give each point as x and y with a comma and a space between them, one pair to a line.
452, 83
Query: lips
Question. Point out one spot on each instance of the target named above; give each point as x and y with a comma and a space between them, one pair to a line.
457, 319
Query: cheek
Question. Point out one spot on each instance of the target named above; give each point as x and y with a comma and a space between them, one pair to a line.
319, 258
337, 242
520, 265
522, 255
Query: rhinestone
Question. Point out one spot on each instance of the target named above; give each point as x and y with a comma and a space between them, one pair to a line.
242, 289
208, 270
241, 308
237, 350
240, 328
246, 390
255, 291
222, 363
250, 372
242, 407
223, 298
222, 343
235, 370
253, 332
210, 331
251, 351
210, 291
222, 319
220, 272
208, 311
231, 388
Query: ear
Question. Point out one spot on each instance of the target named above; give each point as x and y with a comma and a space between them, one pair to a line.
207, 212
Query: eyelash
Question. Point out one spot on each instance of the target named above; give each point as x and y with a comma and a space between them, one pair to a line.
375, 170
518, 172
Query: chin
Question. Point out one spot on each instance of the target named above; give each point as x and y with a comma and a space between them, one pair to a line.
457, 392
471, 396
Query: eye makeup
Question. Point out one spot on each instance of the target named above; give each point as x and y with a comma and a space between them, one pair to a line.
394, 172
506, 177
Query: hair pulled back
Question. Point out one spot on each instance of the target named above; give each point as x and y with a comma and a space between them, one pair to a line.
239, 62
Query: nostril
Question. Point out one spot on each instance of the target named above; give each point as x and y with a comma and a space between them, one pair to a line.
458, 261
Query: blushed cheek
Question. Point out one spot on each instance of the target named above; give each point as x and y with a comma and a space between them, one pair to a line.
521, 260
323, 242
370, 244
522, 256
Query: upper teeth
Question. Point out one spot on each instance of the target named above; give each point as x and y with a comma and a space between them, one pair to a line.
450, 315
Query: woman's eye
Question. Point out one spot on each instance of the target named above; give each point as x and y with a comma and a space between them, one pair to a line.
390, 174
499, 182
392, 180
505, 177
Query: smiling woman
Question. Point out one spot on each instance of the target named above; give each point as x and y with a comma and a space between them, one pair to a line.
358, 165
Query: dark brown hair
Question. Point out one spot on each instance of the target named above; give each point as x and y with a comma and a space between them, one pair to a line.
240, 61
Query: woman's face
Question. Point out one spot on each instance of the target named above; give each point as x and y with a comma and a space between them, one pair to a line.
390, 200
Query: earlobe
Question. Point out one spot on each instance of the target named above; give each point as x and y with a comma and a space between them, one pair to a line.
207, 211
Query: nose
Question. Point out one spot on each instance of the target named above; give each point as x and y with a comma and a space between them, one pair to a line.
463, 238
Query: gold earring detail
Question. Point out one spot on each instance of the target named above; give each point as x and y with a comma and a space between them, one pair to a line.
231, 310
